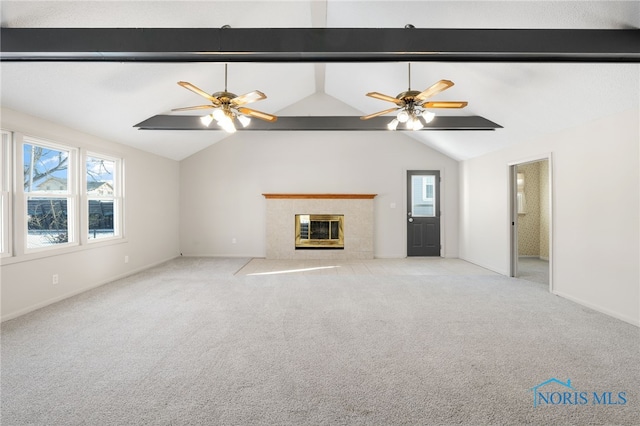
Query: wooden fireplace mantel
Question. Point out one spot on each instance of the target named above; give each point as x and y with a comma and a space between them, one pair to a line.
320, 196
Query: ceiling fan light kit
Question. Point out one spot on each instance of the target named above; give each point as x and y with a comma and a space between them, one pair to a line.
227, 106
412, 118
244, 120
393, 124
412, 105
206, 119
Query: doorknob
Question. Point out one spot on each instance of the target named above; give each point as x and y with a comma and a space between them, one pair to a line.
410, 219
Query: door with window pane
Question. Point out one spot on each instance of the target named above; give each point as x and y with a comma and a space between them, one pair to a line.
423, 213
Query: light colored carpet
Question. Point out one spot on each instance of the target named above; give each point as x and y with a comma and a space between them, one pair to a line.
199, 341
407, 266
533, 269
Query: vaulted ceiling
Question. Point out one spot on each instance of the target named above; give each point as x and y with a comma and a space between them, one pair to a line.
529, 99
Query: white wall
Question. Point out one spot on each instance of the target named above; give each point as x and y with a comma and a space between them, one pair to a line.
151, 226
595, 212
222, 186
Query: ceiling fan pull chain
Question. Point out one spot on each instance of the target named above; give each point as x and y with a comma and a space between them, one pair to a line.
409, 64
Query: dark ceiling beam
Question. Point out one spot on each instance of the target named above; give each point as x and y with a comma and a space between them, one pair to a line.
320, 123
318, 45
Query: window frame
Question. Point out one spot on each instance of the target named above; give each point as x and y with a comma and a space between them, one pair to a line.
117, 197
16, 220
70, 194
6, 202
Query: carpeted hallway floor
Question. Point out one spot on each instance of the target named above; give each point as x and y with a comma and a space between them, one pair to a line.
533, 269
385, 342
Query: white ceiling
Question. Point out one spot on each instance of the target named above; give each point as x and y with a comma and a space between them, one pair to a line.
528, 99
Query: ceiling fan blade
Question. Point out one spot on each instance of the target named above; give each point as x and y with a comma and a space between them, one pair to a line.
194, 107
258, 114
247, 98
199, 91
436, 88
445, 104
375, 114
382, 97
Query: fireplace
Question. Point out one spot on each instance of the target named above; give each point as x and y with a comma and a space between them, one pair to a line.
281, 234
319, 231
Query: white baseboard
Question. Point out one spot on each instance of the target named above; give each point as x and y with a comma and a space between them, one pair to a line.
491, 268
78, 291
616, 315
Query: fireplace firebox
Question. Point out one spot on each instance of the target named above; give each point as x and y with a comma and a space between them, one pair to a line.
319, 231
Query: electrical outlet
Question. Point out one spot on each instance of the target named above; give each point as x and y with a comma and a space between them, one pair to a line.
54, 279
126, 259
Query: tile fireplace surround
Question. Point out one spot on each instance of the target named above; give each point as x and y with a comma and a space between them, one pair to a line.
358, 224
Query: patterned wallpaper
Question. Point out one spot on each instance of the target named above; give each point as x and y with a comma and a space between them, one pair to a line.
533, 225
529, 222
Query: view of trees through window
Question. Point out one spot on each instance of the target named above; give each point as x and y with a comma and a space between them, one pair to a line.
51, 190
46, 183
100, 193
64, 195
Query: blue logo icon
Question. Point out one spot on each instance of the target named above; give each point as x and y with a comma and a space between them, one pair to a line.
568, 395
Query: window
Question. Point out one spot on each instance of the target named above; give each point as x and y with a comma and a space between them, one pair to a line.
522, 203
423, 195
54, 196
104, 200
5, 194
428, 188
50, 194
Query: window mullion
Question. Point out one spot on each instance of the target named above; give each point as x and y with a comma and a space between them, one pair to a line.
83, 199
6, 178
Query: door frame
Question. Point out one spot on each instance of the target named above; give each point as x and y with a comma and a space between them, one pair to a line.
440, 203
513, 213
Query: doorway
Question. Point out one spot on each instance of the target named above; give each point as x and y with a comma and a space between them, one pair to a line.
531, 231
423, 213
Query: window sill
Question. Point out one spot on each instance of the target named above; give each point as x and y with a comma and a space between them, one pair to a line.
60, 251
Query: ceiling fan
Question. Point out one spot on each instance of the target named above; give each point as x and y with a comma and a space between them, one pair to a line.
412, 105
228, 106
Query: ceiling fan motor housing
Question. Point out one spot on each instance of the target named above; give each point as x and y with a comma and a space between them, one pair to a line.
408, 97
224, 97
